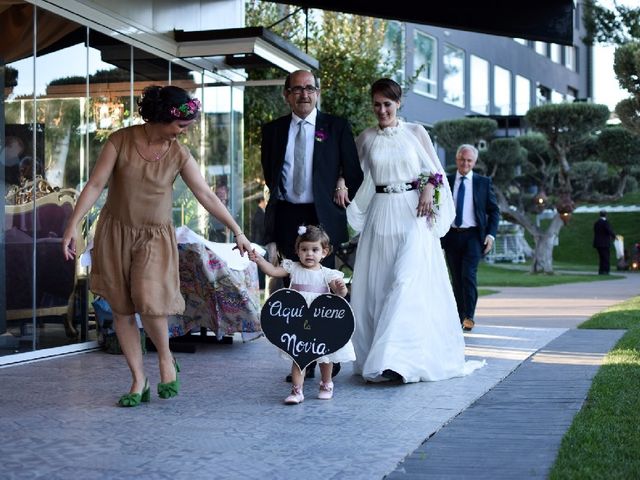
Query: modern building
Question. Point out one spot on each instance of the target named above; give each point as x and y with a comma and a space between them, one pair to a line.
456, 73
74, 69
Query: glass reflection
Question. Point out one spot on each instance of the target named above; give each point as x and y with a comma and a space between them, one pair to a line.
502, 91
523, 95
479, 86
425, 64
453, 81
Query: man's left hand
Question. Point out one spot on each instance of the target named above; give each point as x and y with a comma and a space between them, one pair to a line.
341, 197
488, 244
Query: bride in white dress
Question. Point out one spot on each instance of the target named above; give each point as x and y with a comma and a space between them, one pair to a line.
407, 324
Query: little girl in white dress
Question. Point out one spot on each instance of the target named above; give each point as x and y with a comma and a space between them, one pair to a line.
311, 279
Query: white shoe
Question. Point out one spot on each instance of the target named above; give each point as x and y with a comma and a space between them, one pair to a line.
326, 391
296, 396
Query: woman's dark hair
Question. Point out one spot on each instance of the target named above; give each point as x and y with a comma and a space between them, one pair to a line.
387, 88
314, 234
166, 104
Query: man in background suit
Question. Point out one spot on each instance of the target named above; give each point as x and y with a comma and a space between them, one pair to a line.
472, 233
602, 237
305, 195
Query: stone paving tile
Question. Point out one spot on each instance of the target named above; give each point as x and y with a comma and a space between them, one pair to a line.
229, 420
514, 431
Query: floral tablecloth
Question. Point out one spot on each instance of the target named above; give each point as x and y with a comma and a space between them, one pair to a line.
222, 299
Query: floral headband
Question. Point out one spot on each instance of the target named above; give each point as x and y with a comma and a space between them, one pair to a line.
187, 109
302, 230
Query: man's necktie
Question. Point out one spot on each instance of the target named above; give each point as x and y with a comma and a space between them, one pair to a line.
459, 203
299, 153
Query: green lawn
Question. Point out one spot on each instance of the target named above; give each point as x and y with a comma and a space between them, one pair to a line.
632, 198
604, 440
508, 275
486, 291
575, 239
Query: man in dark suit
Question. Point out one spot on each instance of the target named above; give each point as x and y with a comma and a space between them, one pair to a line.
329, 152
602, 237
303, 155
472, 233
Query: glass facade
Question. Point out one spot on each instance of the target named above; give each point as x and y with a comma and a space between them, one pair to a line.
501, 91
543, 94
523, 95
570, 57
66, 88
394, 49
425, 61
453, 76
540, 47
479, 86
556, 52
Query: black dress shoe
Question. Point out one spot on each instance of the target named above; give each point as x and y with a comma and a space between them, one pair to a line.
335, 370
467, 325
310, 373
391, 375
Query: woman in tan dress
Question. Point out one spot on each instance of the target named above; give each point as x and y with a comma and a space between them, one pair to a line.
135, 254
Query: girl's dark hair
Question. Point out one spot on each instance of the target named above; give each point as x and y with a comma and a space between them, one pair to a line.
163, 104
314, 234
388, 88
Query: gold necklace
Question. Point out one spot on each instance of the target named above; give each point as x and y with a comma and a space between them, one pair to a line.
155, 154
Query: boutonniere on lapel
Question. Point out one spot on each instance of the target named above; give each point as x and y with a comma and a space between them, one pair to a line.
320, 135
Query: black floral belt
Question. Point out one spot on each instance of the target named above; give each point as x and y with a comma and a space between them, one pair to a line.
396, 187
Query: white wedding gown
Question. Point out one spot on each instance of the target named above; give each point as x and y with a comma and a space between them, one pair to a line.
406, 316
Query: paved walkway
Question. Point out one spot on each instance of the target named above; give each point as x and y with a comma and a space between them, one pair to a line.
59, 421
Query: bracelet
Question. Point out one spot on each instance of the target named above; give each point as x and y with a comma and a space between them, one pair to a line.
341, 188
236, 235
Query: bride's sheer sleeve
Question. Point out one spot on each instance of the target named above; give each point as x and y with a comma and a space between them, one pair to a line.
357, 209
430, 163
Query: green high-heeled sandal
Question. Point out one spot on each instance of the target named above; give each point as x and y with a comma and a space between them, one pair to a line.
134, 399
170, 389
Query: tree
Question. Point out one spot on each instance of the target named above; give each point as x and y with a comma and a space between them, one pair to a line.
532, 171
617, 26
626, 65
452, 133
567, 126
349, 50
620, 149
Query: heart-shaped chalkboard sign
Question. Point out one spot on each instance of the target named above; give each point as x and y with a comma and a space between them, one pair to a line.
307, 333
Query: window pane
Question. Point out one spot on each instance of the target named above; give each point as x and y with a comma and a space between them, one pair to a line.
425, 60
394, 49
502, 91
523, 95
556, 97
543, 95
556, 53
569, 58
453, 81
479, 85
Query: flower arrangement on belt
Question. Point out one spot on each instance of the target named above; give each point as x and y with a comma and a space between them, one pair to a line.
320, 135
435, 179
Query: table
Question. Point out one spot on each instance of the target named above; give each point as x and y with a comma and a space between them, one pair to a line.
222, 299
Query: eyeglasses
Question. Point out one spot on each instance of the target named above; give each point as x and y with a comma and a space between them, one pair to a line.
298, 89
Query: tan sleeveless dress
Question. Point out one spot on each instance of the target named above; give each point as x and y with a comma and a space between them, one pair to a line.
135, 254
